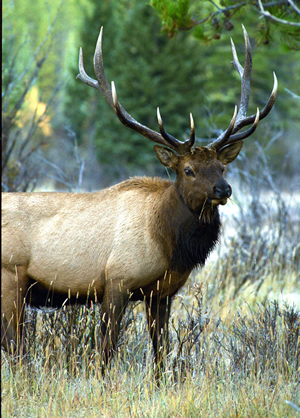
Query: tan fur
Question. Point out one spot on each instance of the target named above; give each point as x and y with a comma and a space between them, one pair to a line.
115, 245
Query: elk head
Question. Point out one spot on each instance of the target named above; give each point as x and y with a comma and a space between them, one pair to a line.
199, 170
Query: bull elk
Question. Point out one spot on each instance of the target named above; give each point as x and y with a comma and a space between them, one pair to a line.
137, 240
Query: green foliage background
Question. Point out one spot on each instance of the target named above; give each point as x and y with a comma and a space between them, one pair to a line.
182, 72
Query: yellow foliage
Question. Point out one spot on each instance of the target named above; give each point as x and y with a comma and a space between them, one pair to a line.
32, 106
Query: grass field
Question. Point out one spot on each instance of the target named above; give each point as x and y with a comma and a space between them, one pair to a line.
234, 345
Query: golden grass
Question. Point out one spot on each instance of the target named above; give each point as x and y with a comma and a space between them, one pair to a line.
133, 393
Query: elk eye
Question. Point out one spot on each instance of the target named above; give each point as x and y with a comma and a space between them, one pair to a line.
188, 172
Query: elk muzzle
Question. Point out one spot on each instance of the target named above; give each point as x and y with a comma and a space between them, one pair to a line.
222, 191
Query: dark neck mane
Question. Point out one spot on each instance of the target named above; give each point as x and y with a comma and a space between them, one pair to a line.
194, 244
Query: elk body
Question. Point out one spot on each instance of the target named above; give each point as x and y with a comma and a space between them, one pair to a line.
137, 240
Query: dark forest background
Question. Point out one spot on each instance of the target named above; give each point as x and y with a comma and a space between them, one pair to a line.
60, 134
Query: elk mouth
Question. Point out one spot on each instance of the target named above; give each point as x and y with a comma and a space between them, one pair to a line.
216, 202
209, 208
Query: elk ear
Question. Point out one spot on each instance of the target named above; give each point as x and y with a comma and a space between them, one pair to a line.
229, 153
166, 157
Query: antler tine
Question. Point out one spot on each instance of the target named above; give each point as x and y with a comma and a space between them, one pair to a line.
223, 138
101, 83
83, 75
169, 138
191, 141
180, 147
245, 74
245, 134
266, 110
110, 95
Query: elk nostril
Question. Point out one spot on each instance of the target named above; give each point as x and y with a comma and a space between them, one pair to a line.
217, 191
229, 191
222, 192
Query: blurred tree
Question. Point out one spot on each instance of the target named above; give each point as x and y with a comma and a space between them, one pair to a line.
34, 45
23, 113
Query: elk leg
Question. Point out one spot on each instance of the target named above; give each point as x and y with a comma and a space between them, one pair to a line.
13, 292
112, 308
158, 313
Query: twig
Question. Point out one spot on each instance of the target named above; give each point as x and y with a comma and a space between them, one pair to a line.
275, 3
235, 6
294, 6
211, 15
295, 96
268, 15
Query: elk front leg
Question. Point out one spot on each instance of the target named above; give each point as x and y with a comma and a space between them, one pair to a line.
13, 292
112, 308
158, 313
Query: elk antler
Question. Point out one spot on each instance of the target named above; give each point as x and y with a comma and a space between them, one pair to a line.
230, 135
239, 119
110, 95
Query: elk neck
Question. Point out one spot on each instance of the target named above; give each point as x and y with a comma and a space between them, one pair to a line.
191, 236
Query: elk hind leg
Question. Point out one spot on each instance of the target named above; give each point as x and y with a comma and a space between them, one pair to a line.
113, 307
13, 291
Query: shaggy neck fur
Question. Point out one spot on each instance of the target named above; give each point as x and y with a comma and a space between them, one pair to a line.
194, 244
